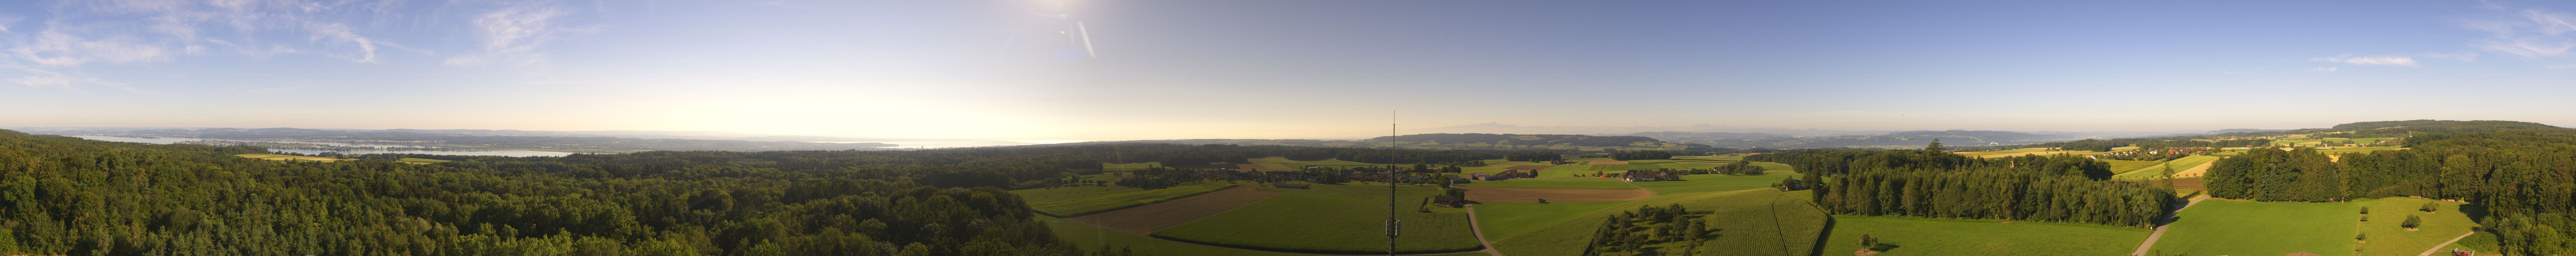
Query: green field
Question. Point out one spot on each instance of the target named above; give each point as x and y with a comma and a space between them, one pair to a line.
2388, 238
1749, 222
1919, 236
1328, 223
2151, 171
1081, 205
1360, 188
2125, 165
2229, 227
1501, 220
290, 158
1040, 195
1608, 183
1089, 238
1715, 182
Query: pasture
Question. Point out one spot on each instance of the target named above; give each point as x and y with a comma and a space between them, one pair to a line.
2388, 238
1535, 195
1151, 217
1038, 195
1328, 223
1922, 236
1089, 238
1082, 205
1715, 182
1603, 183
2356, 149
1500, 220
1749, 222
2126, 165
2179, 165
2231, 227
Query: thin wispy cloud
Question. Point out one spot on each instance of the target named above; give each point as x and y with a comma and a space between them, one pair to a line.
511, 36
2324, 69
2530, 33
72, 35
2378, 60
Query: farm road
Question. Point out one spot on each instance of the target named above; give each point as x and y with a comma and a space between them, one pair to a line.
2160, 226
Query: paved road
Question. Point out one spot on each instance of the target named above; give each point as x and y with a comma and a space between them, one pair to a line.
2160, 227
2436, 248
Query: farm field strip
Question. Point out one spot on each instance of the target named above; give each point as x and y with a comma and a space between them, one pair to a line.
1327, 223
2231, 227
1551, 195
1100, 203
2180, 165
1148, 218
1922, 236
1601, 183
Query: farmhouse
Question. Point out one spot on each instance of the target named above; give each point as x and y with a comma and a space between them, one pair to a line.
1659, 174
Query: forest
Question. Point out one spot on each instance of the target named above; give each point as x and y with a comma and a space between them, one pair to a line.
1934, 183
2517, 177
69, 196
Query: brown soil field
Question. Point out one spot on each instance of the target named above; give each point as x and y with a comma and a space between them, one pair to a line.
1513, 163
1606, 162
1532, 195
1146, 219
1529, 167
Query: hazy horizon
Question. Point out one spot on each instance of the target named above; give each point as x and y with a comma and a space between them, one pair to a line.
1080, 70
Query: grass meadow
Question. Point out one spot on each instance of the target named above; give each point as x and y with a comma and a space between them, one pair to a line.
1501, 220
2388, 238
2230, 227
1081, 205
2151, 171
2126, 165
1921, 236
1715, 182
1608, 183
1327, 223
1749, 222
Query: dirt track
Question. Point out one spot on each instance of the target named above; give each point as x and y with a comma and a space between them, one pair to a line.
1146, 219
1532, 195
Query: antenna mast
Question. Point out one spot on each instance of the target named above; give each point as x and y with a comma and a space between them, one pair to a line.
1393, 227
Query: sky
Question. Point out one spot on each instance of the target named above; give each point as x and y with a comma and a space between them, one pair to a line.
1118, 70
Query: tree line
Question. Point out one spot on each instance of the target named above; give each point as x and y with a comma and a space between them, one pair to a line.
1933, 183
68, 196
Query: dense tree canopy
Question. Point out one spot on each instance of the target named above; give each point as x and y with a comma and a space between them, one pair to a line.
67, 196
1931, 183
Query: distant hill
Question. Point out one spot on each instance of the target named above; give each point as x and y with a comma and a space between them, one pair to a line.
437, 138
825, 139
1892, 139
1451, 141
2401, 128
1498, 128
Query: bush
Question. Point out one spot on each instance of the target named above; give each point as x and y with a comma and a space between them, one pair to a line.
2411, 222
2429, 206
2365, 210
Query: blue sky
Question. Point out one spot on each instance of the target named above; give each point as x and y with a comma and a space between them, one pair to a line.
1277, 69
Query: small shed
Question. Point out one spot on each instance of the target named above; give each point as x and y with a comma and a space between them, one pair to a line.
1288, 185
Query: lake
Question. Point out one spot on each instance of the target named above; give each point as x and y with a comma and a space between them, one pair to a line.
172, 140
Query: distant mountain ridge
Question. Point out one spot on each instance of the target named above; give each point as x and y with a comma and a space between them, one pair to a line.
1450, 141
465, 139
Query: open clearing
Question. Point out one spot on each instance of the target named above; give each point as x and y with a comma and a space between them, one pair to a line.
2388, 238
1109, 167
1500, 220
289, 158
1749, 222
2231, 227
1601, 183
1716, 182
1041, 195
1078, 206
2151, 171
1921, 236
2127, 165
1328, 223
1605, 162
1148, 218
1533, 195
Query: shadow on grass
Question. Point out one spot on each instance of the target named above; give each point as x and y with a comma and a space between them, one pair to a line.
1821, 236
2477, 213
